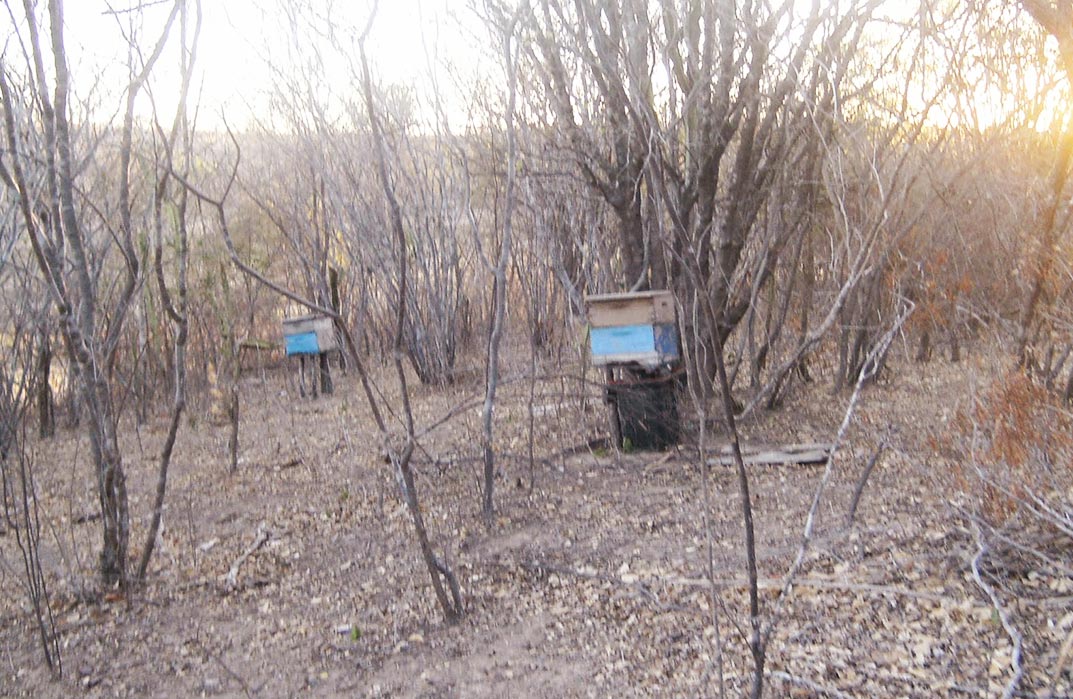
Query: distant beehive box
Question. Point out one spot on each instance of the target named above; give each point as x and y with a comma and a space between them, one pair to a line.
634, 327
311, 334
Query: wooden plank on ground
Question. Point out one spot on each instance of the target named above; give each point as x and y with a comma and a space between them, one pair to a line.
758, 455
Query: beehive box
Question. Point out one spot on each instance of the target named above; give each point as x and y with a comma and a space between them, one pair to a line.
633, 328
311, 334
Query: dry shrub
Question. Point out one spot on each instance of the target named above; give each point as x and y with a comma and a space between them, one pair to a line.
1013, 454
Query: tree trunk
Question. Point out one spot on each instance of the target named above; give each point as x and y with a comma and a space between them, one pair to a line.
439, 572
233, 412
499, 272
112, 489
326, 386
924, 351
337, 306
46, 407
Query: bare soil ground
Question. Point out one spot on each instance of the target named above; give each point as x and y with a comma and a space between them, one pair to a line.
592, 583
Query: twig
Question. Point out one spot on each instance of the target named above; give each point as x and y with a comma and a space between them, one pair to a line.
645, 586
868, 370
815, 583
861, 482
232, 575
1004, 617
1060, 664
709, 542
546, 568
756, 636
246, 689
809, 685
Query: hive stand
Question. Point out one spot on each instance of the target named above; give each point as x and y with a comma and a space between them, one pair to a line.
311, 336
634, 338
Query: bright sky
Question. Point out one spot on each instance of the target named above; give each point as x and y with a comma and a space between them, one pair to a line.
241, 38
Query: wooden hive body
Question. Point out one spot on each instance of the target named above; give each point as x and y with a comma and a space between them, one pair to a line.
633, 328
310, 334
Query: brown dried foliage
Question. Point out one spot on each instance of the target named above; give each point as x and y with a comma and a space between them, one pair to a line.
1014, 445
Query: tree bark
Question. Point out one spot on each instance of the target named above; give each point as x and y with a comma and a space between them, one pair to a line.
46, 406
439, 572
499, 287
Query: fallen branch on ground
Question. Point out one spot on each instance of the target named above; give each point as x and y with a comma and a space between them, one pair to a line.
815, 583
548, 568
645, 586
259, 540
809, 685
1004, 617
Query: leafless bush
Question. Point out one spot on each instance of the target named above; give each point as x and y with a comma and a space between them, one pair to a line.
20, 504
1011, 463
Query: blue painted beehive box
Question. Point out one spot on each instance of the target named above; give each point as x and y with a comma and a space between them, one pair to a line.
633, 328
311, 334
